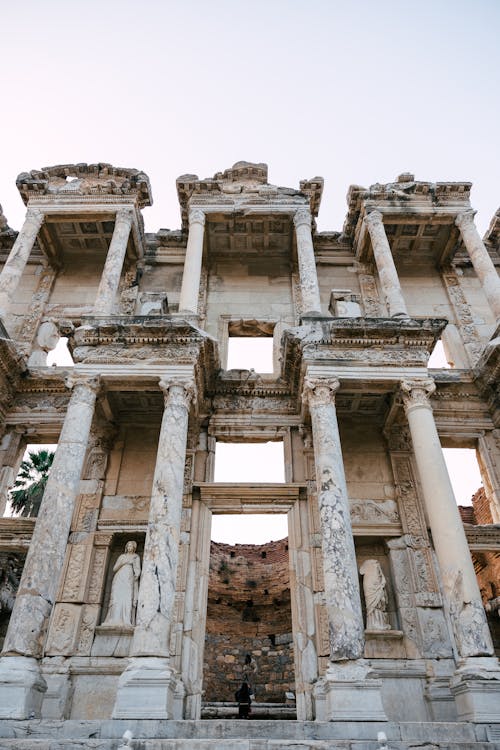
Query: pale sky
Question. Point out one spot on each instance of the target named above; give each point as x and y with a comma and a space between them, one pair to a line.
357, 92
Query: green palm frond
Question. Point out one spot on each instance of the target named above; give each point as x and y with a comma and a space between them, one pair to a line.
27, 492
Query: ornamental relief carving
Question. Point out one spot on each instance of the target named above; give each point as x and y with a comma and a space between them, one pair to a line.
369, 294
374, 511
76, 572
155, 352
64, 628
97, 571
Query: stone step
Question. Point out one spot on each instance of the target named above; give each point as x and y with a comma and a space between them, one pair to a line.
235, 744
229, 710
244, 735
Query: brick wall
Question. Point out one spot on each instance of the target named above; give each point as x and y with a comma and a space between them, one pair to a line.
249, 613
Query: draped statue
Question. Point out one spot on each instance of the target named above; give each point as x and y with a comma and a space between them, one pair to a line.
124, 588
375, 591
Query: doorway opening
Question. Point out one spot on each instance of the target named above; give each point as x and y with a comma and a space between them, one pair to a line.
249, 623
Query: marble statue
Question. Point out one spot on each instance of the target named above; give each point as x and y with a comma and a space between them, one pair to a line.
124, 588
375, 591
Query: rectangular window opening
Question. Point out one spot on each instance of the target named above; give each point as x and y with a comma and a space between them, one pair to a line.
249, 462
439, 358
25, 495
250, 353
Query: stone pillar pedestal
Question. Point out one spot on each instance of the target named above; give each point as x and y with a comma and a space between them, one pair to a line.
20, 678
309, 288
483, 265
462, 596
345, 692
110, 278
387, 273
149, 685
188, 301
18, 257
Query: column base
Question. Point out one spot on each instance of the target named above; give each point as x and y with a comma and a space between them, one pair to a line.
149, 689
22, 688
476, 689
347, 693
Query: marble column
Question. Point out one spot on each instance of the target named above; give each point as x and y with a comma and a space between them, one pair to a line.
191, 276
347, 691
343, 602
150, 650
110, 278
311, 302
483, 265
21, 686
457, 571
18, 257
384, 261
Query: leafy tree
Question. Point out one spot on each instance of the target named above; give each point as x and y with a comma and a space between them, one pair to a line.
27, 492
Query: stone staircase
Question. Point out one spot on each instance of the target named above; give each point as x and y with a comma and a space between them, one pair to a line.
255, 734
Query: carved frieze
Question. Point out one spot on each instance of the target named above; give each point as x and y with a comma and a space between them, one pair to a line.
64, 629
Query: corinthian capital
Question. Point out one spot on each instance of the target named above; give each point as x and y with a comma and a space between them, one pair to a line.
465, 219
417, 392
178, 391
86, 386
34, 216
320, 391
302, 217
196, 216
124, 214
373, 219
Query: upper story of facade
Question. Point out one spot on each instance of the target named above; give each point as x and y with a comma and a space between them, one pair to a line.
408, 267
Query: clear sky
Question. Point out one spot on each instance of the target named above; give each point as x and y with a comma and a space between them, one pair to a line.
357, 92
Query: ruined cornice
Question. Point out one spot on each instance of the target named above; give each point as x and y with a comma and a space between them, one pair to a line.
86, 180
359, 342
244, 184
405, 195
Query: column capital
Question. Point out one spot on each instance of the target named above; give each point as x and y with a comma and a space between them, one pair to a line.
124, 214
320, 391
35, 216
374, 218
196, 216
181, 391
91, 382
417, 392
302, 217
465, 219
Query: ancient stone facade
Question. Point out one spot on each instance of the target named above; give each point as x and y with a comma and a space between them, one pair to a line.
353, 316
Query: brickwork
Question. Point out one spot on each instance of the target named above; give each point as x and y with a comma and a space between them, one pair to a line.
486, 564
249, 613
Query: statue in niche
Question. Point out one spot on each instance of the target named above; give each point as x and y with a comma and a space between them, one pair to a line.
124, 588
375, 591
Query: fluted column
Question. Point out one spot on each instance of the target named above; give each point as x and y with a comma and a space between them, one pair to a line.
343, 602
461, 590
483, 265
155, 609
309, 288
190, 289
384, 261
38, 587
110, 278
18, 257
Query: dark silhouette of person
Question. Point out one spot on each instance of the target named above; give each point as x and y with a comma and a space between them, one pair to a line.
244, 701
